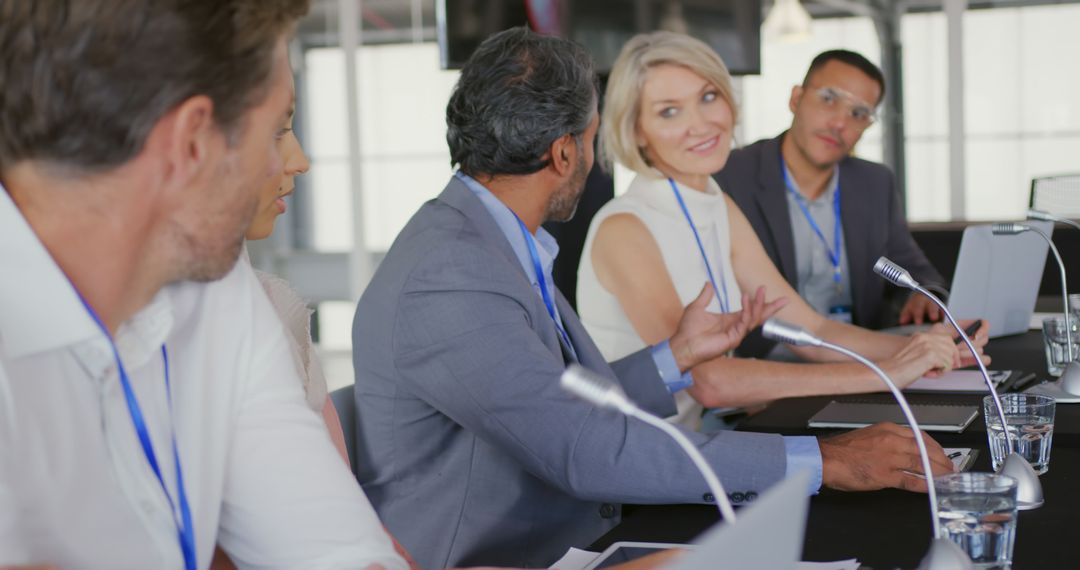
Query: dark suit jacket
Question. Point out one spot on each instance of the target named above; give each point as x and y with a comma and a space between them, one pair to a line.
870, 213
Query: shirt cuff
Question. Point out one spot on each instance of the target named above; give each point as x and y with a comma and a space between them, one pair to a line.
804, 454
675, 380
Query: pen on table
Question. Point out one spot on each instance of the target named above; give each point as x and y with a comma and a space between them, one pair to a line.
970, 330
955, 454
1024, 382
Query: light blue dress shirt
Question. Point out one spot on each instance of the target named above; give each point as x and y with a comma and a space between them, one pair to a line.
803, 452
816, 280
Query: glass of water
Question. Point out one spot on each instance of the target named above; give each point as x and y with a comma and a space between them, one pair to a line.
1056, 343
977, 511
1074, 308
1031, 426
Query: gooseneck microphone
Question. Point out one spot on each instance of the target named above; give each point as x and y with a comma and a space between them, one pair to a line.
943, 552
1040, 215
603, 393
1070, 376
1029, 493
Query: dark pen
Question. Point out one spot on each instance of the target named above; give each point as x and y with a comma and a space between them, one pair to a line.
1024, 382
970, 330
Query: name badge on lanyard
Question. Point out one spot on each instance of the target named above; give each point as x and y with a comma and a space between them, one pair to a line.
834, 251
840, 313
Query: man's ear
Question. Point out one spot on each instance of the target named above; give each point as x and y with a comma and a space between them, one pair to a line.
186, 138
563, 152
796, 92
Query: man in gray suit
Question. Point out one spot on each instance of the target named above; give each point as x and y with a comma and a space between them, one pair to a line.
794, 187
468, 448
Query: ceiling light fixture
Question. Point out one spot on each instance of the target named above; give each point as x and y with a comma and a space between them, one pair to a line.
787, 21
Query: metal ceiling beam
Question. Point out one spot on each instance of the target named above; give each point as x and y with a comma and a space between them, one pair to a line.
887, 18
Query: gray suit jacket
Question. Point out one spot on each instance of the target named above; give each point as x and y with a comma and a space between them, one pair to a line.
467, 447
870, 213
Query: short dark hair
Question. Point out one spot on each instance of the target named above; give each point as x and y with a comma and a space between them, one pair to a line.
84, 81
517, 94
850, 58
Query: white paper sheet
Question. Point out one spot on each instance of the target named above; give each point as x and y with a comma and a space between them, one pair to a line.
575, 559
959, 456
959, 381
852, 564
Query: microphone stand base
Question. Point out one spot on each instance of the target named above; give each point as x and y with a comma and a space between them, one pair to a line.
1070, 378
944, 554
1055, 391
1029, 492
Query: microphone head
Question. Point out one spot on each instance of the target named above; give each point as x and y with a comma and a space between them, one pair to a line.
893, 273
592, 387
780, 331
1033, 214
1008, 228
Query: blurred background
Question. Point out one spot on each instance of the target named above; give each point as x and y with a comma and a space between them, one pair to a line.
984, 97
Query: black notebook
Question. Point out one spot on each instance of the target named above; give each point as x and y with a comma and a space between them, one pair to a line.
931, 417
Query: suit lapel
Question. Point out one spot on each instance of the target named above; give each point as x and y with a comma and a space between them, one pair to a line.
772, 199
853, 218
587, 353
458, 196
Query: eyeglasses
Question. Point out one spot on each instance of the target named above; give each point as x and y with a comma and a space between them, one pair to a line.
832, 99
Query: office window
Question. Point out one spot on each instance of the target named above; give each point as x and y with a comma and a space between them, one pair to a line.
1022, 113
1022, 119
1023, 109
404, 159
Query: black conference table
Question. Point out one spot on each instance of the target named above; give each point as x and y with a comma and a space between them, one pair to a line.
891, 528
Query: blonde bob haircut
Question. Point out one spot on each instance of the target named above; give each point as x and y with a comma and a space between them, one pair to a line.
622, 100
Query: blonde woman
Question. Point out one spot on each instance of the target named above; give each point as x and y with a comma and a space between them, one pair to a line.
668, 116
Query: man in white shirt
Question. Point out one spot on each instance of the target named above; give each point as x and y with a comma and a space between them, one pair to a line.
148, 407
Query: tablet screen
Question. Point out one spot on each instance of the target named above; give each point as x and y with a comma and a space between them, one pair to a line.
622, 552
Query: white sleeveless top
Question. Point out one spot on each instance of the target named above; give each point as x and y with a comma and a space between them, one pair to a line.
653, 202
296, 316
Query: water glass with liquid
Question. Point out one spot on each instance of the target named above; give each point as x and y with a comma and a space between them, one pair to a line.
977, 511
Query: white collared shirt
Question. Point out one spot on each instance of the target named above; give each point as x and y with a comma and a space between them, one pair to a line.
262, 477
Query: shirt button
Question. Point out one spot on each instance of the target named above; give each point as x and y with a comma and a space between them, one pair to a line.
751, 496
607, 511
737, 497
708, 498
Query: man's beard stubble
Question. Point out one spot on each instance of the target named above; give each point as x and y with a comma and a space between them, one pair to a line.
565, 201
210, 261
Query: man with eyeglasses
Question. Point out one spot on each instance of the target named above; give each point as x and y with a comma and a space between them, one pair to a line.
823, 215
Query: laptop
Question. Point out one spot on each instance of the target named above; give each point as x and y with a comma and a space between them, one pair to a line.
997, 278
767, 534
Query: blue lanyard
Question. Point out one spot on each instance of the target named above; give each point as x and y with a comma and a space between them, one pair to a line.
724, 301
834, 252
184, 528
535, 255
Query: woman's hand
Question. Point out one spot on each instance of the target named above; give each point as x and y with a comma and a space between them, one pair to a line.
929, 352
703, 335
